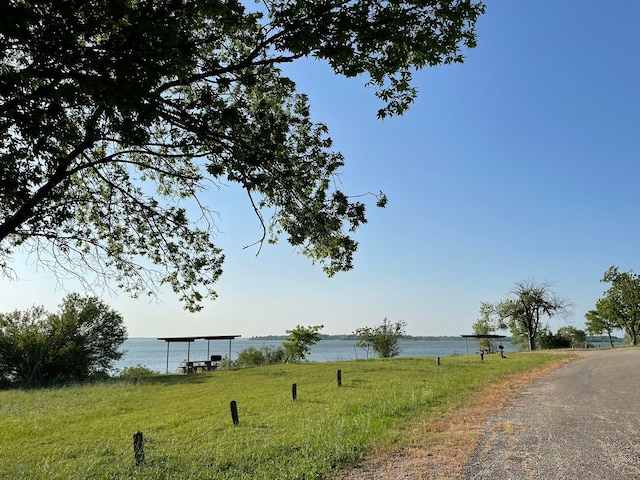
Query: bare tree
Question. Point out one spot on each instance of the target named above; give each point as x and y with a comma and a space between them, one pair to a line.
529, 304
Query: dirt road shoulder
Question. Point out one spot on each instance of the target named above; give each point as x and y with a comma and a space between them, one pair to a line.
580, 421
446, 443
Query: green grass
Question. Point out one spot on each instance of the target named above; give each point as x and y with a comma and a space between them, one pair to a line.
86, 431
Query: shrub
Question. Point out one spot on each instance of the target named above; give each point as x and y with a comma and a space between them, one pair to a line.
252, 357
298, 344
383, 339
82, 340
137, 371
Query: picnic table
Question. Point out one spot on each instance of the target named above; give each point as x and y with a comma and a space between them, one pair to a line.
189, 366
194, 366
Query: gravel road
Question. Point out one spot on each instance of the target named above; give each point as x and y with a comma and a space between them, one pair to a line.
582, 421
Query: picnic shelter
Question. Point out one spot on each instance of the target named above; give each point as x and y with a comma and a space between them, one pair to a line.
192, 366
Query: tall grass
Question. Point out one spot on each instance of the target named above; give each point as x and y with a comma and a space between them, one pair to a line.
85, 431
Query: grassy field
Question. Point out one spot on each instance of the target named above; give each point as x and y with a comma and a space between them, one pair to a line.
85, 431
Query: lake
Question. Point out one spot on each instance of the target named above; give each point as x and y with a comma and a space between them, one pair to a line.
152, 352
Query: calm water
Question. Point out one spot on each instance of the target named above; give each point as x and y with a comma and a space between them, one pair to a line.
152, 353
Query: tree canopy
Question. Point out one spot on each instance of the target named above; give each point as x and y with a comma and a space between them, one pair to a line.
566, 337
118, 114
597, 325
619, 306
299, 342
523, 312
485, 325
82, 340
384, 339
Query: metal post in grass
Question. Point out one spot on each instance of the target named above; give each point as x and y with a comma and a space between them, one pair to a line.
438, 361
339, 377
234, 413
294, 391
138, 448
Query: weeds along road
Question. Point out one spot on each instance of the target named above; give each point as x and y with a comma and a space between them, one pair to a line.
581, 421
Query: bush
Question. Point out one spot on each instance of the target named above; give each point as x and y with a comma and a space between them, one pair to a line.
252, 357
567, 337
138, 371
547, 340
82, 340
383, 339
298, 344
294, 349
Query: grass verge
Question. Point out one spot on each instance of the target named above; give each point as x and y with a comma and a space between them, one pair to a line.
85, 431
438, 448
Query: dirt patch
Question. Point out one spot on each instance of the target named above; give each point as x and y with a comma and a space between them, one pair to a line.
444, 444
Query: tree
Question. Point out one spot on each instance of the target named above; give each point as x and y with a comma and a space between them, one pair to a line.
298, 343
620, 304
383, 339
597, 325
117, 116
566, 337
24, 346
80, 341
547, 340
485, 326
530, 303
577, 338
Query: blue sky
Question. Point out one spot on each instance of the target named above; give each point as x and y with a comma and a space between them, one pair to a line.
520, 164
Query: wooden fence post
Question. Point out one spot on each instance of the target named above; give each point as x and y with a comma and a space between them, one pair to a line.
339, 377
138, 448
234, 413
294, 392
438, 361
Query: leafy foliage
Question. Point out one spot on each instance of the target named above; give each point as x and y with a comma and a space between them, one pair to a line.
137, 372
117, 116
566, 337
597, 325
253, 357
80, 341
485, 326
298, 344
620, 305
577, 337
547, 340
293, 349
522, 314
384, 339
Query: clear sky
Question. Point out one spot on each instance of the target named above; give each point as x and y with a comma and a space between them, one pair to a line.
520, 164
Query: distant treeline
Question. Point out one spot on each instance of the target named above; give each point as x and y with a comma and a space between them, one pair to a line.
590, 339
604, 338
354, 337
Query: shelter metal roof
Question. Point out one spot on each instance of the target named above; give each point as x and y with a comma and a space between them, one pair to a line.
205, 337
